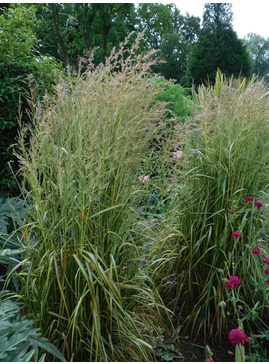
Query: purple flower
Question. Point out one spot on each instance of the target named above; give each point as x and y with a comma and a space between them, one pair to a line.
93, 211
141, 211
156, 191
170, 281
62, 240
258, 204
266, 260
143, 263
151, 198
72, 233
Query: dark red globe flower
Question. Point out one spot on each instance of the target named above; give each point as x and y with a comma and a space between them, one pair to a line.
266, 260
231, 212
248, 198
233, 282
230, 285
267, 272
237, 281
236, 234
267, 283
237, 337
255, 251
258, 204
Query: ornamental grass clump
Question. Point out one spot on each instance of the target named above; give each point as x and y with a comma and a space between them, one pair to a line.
214, 224
83, 282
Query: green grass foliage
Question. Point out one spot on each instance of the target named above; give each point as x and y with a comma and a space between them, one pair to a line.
225, 160
84, 283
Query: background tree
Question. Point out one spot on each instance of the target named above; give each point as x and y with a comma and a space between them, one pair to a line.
259, 52
19, 58
176, 45
218, 47
157, 19
72, 29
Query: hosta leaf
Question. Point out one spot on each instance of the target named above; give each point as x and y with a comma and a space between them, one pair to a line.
44, 344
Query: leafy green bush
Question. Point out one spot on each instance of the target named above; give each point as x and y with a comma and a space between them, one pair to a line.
19, 60
83, 283
178, 98
225, 161
19, 341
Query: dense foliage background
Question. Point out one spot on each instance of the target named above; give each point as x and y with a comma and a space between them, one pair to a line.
41, 40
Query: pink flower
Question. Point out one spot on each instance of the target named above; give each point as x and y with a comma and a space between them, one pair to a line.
237, 281
267, 283
258, 204
266, 260
237, 337
255, 251
143, 179
267, 272
233, 282
236, 234
178, 154
248, 198
209, 359
231, 212
230, 285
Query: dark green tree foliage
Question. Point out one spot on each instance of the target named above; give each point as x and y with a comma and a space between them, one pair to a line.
73, 29
218, 47
176, 45
158, 20
19, 59
259, 52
